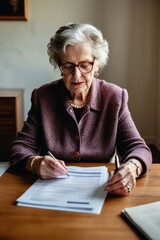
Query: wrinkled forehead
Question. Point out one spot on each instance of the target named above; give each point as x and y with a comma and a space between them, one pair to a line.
78, 53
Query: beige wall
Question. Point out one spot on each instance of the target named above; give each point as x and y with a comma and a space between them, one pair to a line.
131, 28
157, 115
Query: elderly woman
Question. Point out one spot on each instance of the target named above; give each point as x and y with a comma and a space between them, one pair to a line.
80, 118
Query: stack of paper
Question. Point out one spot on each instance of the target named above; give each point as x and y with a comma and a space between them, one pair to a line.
3, 167
81, 191
146, 218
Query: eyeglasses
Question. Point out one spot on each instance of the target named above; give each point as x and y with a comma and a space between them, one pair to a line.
84, 67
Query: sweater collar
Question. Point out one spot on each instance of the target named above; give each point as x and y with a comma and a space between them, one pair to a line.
95, 97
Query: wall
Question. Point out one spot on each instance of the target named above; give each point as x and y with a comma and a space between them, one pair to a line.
157, 132
23, 52
130, 26
132, 33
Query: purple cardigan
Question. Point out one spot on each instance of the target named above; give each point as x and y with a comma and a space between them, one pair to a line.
105, 124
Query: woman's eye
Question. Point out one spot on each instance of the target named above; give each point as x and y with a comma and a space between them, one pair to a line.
83, 65
68, 65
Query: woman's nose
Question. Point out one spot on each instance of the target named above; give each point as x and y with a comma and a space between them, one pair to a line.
76, 72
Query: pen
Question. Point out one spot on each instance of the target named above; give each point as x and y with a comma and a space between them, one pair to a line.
117, 164
54, 158
51, 155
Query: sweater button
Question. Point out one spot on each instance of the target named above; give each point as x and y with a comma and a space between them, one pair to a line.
76, 154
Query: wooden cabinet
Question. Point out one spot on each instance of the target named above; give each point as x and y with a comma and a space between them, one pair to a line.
11, 118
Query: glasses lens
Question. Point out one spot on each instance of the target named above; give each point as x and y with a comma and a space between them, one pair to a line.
85, 67
67, 68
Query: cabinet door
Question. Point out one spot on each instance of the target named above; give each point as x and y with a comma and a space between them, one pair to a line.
5, 142
7, 125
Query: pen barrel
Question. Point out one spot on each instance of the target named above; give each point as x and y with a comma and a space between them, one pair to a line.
117, 163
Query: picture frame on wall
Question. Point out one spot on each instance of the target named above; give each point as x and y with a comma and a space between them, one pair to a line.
14, 10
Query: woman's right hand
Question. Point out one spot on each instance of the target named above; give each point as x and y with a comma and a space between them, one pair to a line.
46, 167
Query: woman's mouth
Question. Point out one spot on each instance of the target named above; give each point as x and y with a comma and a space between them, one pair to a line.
77, 84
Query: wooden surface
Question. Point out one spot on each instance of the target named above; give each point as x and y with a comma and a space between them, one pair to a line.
18, 223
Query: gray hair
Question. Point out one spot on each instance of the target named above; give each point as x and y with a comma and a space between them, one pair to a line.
73, 34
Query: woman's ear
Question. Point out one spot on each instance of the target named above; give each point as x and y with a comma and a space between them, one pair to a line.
96, 69
96, 74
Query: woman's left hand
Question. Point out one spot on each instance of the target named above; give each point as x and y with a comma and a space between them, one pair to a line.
123, 181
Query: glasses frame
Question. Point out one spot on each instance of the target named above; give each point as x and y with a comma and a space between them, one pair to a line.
77, 65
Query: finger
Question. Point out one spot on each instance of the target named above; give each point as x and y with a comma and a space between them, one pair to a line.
111, 175
125, 171
56, 164
121, 191
121, 174
47, 172
115, 185
128, 188
54, 158
121, 183
63, 164
123, 186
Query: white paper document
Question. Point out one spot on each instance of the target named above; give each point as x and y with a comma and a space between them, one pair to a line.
146, 218
81, 191
3, 167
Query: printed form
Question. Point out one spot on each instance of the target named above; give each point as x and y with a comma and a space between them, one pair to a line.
81, 191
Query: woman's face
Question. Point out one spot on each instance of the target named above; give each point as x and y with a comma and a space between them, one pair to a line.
77, 82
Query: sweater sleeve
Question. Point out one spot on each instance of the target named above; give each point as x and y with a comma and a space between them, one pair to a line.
27, 140
129, 142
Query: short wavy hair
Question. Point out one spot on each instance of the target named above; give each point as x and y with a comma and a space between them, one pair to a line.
73, 34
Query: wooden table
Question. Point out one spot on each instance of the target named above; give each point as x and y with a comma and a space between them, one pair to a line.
17, 223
